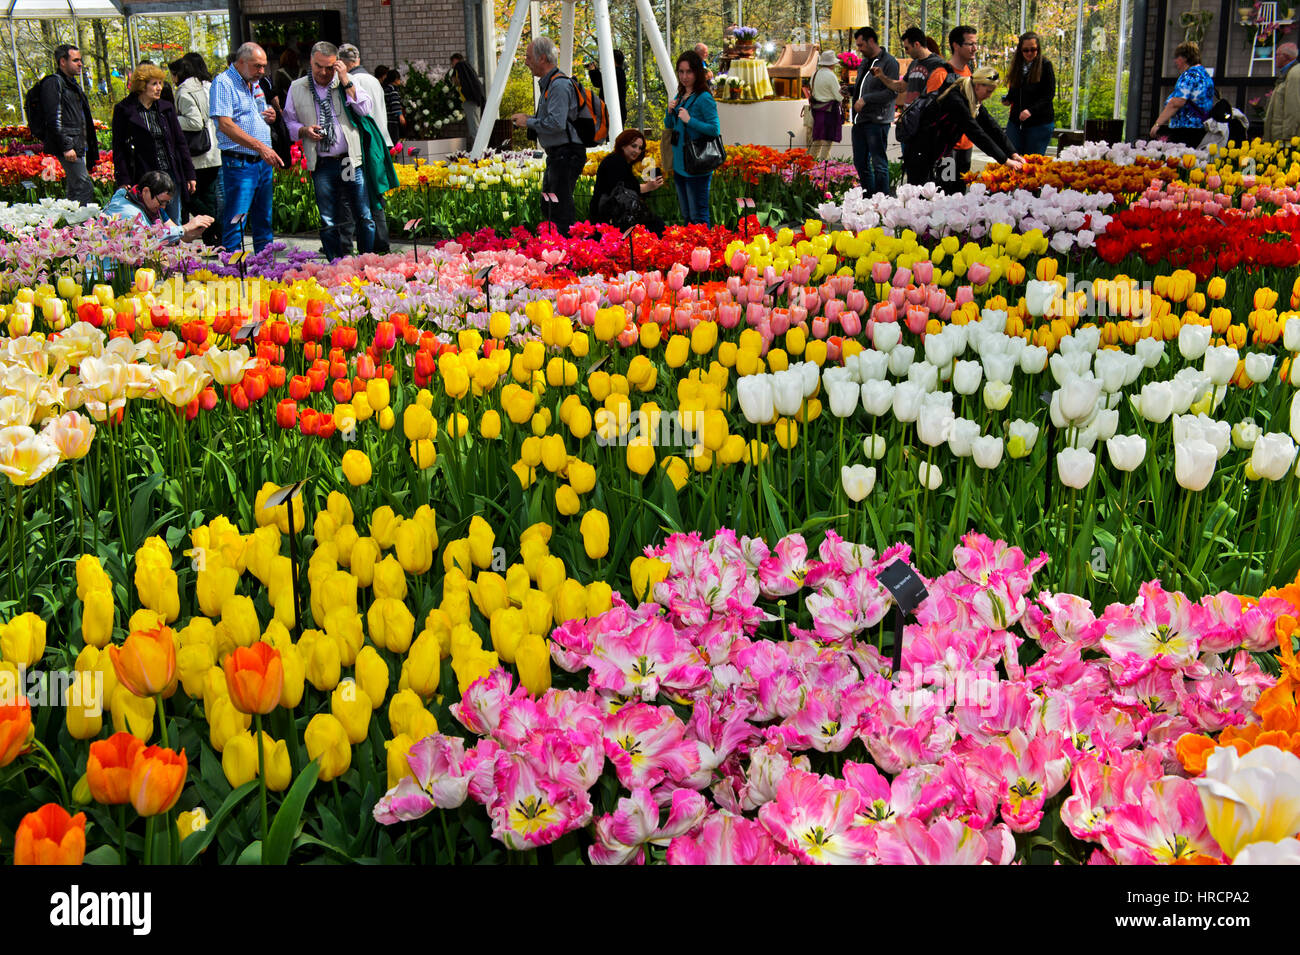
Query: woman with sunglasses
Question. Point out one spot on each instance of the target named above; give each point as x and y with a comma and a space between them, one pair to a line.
1031, 96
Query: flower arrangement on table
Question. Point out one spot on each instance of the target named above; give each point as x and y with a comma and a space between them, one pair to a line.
432, 100
744, 34
849, 60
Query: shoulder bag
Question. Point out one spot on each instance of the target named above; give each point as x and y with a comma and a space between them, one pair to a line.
702, 156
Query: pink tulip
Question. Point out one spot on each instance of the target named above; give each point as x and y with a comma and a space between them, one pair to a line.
590, 293
676, 280
936, 299
750, 274
812, 301
780, 321
902, 278
820, 328
917, 316
1247, 202
756, 290
798, 315
851, 323
636, 294
800, 274
964, 294
566, 303
923, 271
856, 299
615, 294
663, 313
739, 259
979, 273
825, 291
884, 312
766, 331
728, 314
834, 349
832, 309
682, 319
587, 310
841, 284
654, 287
880, 272
742, 295
733, 285
770, 277
755, 313
898, 298
946, 312
701, 259
629, 336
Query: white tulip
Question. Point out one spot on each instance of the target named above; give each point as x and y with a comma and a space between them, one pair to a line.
1079, 399
1064, 367
995, 319
1194, 462
1193, 340
858, 481
787, 391
929, 475
1281, 852
809, 374
961, 436
900, 359
872, 365
1126, 451
874, 446
1220, 363
1295, 416
998, 366
756, 398
1291, 334
1245, 433
1155, 402
987, 451
886, 335
1021, 437
966, 377
842, 397
1106, 423
1040, 295
907, 401
1150, 351
924, 374
1111, 368
1259, 366
1033, 359
877, 397
935, 418
1272, 456
1075, 467
1250, 799
938, 349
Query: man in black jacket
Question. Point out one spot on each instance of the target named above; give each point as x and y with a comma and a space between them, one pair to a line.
69, 125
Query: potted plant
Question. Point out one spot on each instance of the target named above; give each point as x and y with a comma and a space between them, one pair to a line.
734, 87
745, 40
849, 62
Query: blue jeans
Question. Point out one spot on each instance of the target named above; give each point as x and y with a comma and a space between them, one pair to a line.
693, 197
336, 184
870, 142
246, 185
1030, 140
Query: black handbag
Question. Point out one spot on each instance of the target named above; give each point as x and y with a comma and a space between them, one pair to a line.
702, 156
198, 140
623, 207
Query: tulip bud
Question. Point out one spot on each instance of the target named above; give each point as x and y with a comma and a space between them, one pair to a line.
327, 741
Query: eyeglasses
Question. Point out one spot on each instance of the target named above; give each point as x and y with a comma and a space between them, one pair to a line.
1029, 49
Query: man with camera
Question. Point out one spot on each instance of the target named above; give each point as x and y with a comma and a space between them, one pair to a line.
555, 133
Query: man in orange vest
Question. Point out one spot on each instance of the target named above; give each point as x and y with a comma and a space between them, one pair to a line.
961, 42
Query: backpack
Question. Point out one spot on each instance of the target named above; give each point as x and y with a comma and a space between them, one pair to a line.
908, 123
591, 122
35, 112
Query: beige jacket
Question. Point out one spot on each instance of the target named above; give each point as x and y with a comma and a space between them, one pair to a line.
1282, 118
304, 107
192, 113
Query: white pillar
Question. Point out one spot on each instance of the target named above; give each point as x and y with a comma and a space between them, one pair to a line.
566, 37
667, 68
605, 46
18, 73
489, 27
534, 31
1078, 66
1119, 60
1024, 7
492, 110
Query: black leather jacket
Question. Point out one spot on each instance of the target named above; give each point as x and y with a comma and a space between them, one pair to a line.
68, 120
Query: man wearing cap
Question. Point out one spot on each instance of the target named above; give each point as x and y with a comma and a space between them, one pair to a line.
873, 112
1282, 118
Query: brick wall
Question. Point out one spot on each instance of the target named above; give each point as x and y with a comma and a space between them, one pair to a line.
425, 29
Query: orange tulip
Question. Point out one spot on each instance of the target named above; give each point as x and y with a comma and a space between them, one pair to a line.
15, 727
157, 777
49, 836
146, 662
108, 768
255, 678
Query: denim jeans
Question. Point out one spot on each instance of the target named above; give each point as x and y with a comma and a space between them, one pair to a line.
246, 184
337, 184
563, 167
1030, 140
870, 142
693, 197
77, 180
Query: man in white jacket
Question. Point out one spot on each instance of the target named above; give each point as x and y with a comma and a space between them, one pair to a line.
331, 145
350, 57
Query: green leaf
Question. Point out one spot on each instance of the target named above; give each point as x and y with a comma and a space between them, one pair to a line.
196, 843
285, 825
104, 855
252, 854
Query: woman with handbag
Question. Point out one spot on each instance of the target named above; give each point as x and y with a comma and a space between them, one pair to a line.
691, 124
194, 84
147, 137
616, 197
824, 120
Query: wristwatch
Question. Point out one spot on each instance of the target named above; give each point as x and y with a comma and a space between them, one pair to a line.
348, 85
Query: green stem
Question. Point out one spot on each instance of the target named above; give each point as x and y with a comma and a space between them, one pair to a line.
121, 833
149, 824
261, 772
162, 720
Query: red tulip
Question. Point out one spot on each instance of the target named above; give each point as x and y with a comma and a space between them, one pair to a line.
299, 387
208, 398
279, 301
286, 413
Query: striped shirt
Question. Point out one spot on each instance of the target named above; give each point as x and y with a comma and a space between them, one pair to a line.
231, 95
